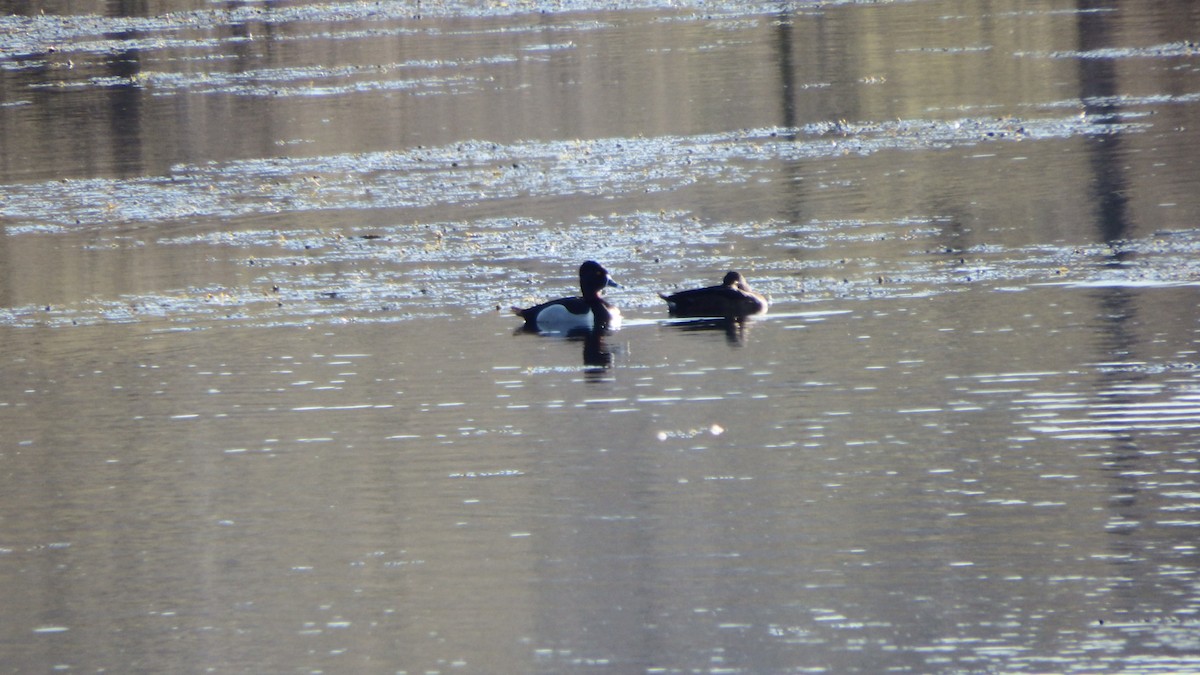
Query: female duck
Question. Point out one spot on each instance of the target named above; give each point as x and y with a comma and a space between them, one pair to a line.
733, 299
590, 312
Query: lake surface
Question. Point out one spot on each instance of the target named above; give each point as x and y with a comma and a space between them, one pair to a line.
264, 408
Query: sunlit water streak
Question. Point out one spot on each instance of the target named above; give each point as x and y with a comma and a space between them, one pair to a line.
489, 171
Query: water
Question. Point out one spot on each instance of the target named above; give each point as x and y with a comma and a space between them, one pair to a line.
264, 409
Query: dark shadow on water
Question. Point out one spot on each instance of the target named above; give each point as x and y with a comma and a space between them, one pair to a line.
1099, 89
787, 75
126, 115
793, 194
1119, 339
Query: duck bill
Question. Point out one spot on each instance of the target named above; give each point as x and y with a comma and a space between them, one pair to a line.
613, 284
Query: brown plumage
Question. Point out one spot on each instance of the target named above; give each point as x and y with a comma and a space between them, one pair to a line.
733, 299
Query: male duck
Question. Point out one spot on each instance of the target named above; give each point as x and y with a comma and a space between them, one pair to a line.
733, 299
587, 313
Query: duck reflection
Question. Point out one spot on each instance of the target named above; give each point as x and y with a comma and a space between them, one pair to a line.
596, 354
736, 330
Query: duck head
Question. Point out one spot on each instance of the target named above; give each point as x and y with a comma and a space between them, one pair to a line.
593, 279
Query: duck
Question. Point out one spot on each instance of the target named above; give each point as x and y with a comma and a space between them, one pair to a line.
733, 299
587, 313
